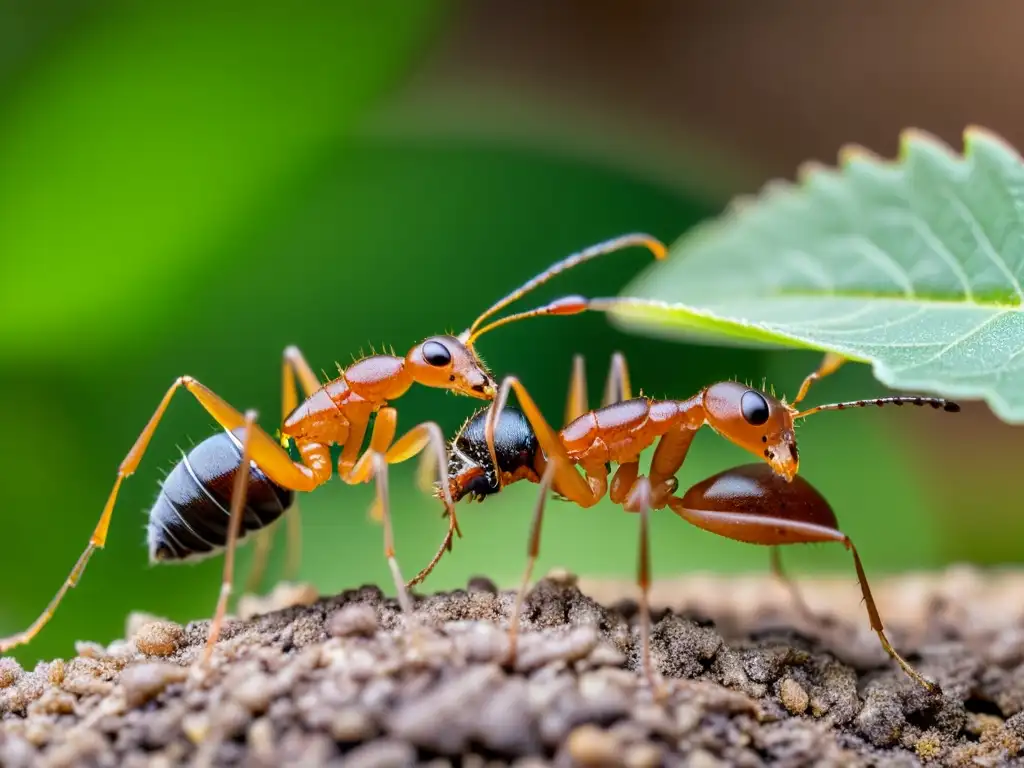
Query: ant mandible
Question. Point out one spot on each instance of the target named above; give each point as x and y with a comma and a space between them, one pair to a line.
334, 413
764, 503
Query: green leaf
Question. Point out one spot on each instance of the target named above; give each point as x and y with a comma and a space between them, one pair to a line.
915, 266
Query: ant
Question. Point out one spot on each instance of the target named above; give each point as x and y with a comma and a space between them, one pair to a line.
188, 520
764, 503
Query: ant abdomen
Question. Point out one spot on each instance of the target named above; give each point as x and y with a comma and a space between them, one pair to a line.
189, 519
742, 502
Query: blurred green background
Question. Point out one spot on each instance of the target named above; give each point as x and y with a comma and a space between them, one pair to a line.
189, 190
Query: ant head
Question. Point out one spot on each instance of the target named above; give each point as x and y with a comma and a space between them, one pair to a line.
470, 471
755, 421
447, 363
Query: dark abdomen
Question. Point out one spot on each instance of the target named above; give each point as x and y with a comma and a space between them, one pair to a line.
190, 516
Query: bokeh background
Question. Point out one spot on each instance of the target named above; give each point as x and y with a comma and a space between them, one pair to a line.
189, 189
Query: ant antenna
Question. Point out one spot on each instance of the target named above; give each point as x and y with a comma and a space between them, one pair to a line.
625, 241
934, 402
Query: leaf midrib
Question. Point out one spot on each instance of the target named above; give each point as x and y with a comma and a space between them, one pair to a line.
872, 297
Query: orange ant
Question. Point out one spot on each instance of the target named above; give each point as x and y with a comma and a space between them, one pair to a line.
764, 503
334, 413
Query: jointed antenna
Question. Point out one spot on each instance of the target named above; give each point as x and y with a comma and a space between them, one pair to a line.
625, 241
934, 402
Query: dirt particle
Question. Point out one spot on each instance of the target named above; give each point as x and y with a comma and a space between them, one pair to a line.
881, 720
10, 671
159, 638
929, 746
355, 619
793, 696
535, 650
350, 724
643, 756
383, 753
144, 682
482, 584
590, 746
56, 672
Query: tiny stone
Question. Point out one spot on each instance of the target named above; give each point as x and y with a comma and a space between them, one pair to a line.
261, 739
643, 756
354, 619
144, 682
482, 584
350, 724
561, 577
196, 727
383, 753
10, 671
56, 672
793, 696
89, 650
138, 619
589, 745
254, 693
159, 638
701, 758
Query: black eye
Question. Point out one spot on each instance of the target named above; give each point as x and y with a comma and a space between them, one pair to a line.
754, 407
436, 353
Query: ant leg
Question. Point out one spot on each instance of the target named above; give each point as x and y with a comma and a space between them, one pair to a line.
294, 366
669, 457
567, 481
617, 388
238, 494
532, 552
778, 529
794, 591
266, 452
639, 500
830, 363
428, 435
576, 406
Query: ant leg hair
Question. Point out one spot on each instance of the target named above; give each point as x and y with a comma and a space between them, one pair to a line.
577, 405
774, 530
830, 363
617, 387
639, 500
791, 586
238, 494
567, 481
266, 452
532, 552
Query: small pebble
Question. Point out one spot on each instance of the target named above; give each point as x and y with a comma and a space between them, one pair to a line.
144, 682
90, 650
56, 672
793, 696
643, 756
159, 638
354, 619
482, 584
10, 671
350, 724
589, 745
383, 753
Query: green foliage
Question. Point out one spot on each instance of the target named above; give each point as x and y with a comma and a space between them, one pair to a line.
100, 147
915, 266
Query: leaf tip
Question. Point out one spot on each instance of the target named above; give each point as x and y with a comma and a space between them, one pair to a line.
975, 135
851, 153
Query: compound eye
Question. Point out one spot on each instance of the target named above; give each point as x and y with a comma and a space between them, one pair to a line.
754, 408
437, 354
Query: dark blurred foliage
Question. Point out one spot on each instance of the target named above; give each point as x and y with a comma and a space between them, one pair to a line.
189, 190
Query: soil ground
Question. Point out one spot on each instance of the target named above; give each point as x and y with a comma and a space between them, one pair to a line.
752, 681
